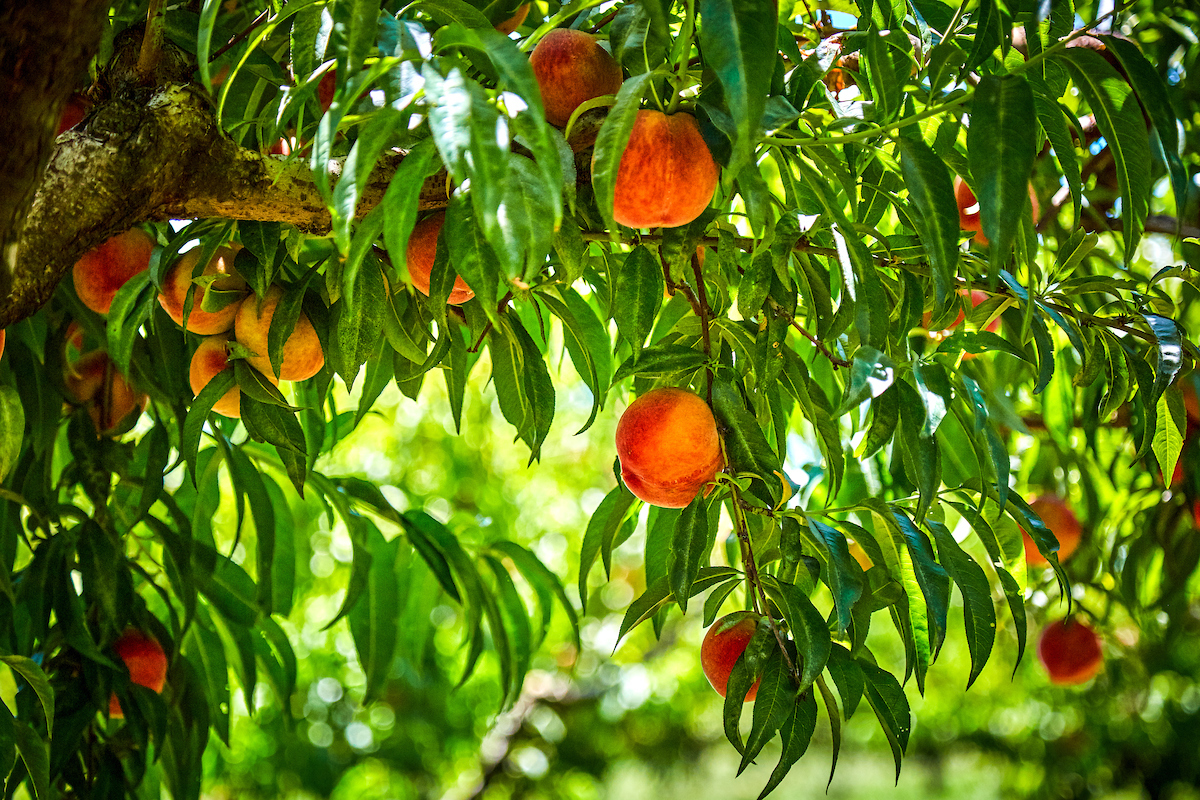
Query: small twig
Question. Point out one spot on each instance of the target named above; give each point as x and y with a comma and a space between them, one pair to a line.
151, 41
607, 18
500, 308
837, 361
259, 20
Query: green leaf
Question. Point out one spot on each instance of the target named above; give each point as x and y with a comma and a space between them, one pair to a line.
202, 647
611, 142
809, 630
931, 577
835, 726
848, 677
1168, 435
979, 615
400, 202
1051, 116
661, 360
842, 575
358, 319
890, 706
470, 255
538, 574
690, 549
35, 752
1119, 118
738, 42
936, 213
639, 285
745, 444
28, 669
12, 429
775, 699
602, 527
374, 618
1001, 146
795, 735
746, 670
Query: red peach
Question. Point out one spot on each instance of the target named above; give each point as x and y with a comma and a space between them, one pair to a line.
668, 446
422, 249
94, 382
571, 68
103, 270
179, 278
1070, 652
302, 354
1061, 521
968, 210
723, 645
146, 662
667, 174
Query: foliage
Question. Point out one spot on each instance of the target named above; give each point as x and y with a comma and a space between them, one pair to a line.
820, 327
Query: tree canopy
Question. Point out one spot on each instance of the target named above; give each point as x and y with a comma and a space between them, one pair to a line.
939, 304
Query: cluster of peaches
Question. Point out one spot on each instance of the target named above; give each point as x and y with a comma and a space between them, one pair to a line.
233, 315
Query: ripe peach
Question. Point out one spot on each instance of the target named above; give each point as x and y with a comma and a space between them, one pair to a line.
667, 174
73, 112
571, 68
968, 210
1, 341
512, 23
103, 270
146, 662
668, 446
94, 382
179, 278
210, 359
1070, 652
724, 643
302, 354
422, 248
1061, 521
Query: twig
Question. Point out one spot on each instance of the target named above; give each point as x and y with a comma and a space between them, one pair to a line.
151, 40
500, 308
704, 318
837, 361
259, 20
607, 18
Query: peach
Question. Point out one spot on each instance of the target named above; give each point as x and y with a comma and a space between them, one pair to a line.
668, 446
146, 662
326, 89
968, 210
179, 278
512, 23
1, 342
103, 270
94, 382
422, 248
1061, 521
302, 354
1070, 652
571, 68
211, 359
73, 112
667, 175
723, 645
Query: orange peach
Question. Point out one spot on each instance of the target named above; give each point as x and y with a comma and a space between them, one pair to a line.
211, 359
667, 174
94, 382
723, 645
302, 354
1061, 521
968, 210
422, 249
668, 445
512, 23
571, 68
1070, 652
103, 270
146, 662
179, 278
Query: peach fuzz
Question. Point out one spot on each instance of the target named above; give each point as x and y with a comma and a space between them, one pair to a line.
969, 220
668, 446
571, 68
420, 254
1061, 521
146, 662
103, 270
667, 175
723, 645
179, 278
94, 382
302, 354
1070, 652
211, 359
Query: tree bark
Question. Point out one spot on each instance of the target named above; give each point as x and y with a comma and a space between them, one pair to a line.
45, 48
